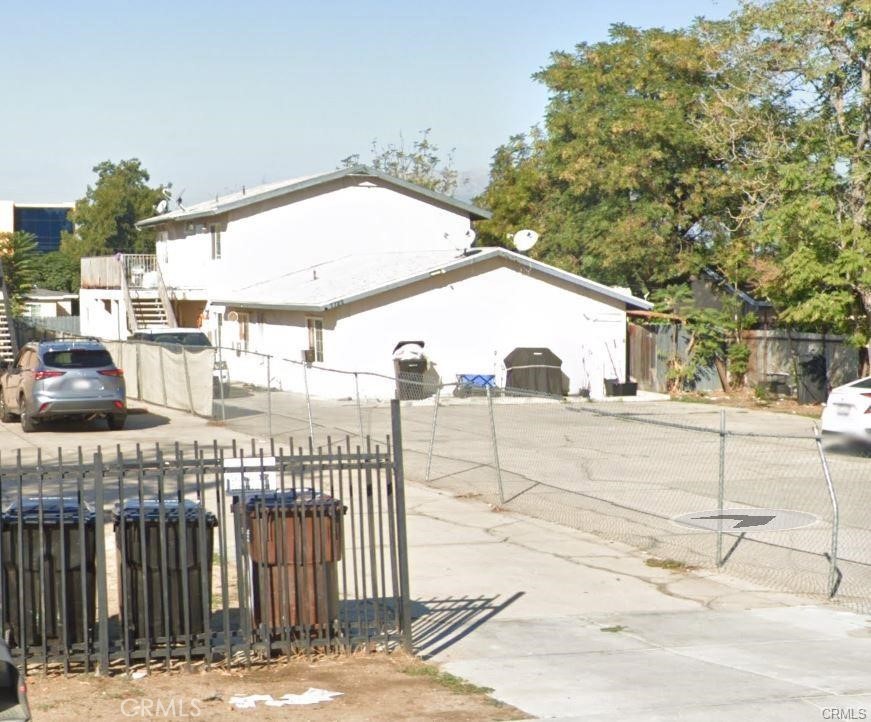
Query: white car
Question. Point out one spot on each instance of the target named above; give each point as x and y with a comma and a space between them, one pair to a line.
848, 410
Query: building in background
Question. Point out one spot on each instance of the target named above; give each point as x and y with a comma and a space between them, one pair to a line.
46, 221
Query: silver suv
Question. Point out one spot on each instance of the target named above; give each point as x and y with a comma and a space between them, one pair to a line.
54, 379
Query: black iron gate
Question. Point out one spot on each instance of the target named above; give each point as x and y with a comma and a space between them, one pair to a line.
222, 554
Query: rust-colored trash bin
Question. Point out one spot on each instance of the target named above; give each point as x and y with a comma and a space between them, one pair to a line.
295, 544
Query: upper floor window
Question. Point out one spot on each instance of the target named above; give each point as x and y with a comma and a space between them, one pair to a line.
215, 230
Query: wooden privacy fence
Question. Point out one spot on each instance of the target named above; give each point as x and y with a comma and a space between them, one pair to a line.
222, 554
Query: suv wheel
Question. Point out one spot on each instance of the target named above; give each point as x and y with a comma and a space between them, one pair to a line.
5, 415
27, 423
116, 421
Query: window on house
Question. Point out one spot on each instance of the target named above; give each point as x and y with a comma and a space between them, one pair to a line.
215, 230
315, 328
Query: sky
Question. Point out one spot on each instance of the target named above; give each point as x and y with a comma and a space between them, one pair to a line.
211, 96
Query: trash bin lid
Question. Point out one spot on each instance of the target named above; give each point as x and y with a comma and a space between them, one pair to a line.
54, 508
293, 499
149, 510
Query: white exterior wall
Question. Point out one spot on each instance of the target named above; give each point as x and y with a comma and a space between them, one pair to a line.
103, 313
469, 322
266, 239
7, 216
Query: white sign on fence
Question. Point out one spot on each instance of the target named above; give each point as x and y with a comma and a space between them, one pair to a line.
260, 474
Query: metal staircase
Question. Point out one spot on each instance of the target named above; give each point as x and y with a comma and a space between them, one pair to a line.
8, 342
149, 313
145, 294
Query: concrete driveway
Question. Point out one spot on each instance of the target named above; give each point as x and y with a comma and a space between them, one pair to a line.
559, 622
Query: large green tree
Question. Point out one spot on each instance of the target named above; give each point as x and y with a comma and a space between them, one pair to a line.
621, 184
56, 271
105, 219
803, 164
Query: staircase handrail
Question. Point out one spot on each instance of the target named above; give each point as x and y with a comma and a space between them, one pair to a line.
164, 299
128, 300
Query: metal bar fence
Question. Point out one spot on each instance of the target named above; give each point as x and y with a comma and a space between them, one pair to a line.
212, 555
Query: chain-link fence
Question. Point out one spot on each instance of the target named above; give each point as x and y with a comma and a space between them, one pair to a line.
623, 471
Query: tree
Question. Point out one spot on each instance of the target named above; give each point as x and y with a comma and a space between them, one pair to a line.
17, 253
104, 221
517, 190
627, 190
421, 164
803, 165
56, 271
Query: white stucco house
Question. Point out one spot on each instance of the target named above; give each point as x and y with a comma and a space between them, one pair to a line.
349, 264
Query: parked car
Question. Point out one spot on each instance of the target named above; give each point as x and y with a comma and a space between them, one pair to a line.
58, 379
190, 337
848, 410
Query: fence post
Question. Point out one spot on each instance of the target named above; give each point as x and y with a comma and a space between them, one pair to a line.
187, 378
495, 446
435, 415
836, 521
162, 373
268, 396
401, 532
221, 391
308, 402
359, 408
102, 571
138, 372
721, 487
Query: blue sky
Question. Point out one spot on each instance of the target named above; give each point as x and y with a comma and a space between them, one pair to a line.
215, 95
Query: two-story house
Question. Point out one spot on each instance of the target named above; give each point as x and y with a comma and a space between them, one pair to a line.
344, 266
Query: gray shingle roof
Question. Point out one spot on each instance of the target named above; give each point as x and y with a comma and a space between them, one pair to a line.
269, 191
355, 277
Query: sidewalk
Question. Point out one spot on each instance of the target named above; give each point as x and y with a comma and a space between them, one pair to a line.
565, 625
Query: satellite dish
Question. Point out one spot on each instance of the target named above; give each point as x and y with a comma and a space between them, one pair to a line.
162, 207
524, 240
469, 236
232, 316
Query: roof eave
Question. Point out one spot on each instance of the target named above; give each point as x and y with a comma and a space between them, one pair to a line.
493, 253
301, 307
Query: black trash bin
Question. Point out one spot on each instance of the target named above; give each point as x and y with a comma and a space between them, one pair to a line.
812, 379
141, 570
57, 569
410, 365
295, 544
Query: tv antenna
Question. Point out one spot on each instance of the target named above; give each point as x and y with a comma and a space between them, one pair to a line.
524, 240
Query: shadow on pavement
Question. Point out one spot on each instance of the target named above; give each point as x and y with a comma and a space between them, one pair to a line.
441, 623
135, 422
